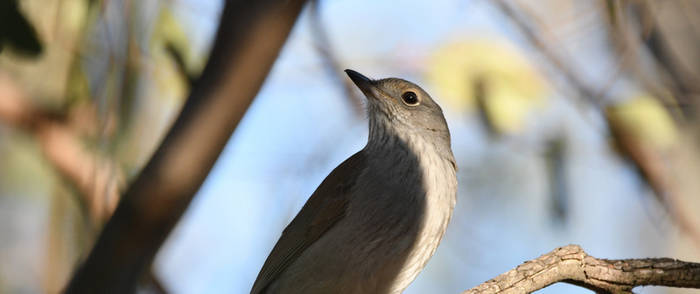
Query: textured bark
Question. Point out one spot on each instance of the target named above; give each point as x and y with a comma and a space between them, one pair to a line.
248, 41
572, 265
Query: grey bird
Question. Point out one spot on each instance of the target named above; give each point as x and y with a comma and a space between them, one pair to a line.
374, 222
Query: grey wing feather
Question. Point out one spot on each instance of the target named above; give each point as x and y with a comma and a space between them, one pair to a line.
323, 210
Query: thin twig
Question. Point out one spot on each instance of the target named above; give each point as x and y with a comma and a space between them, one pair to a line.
538, 41
331, 61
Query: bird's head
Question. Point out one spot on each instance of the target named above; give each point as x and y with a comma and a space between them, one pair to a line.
399, 107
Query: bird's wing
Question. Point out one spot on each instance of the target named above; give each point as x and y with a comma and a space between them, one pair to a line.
323, 210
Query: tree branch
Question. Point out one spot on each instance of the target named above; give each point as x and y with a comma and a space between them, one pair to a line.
572, 265
248, 41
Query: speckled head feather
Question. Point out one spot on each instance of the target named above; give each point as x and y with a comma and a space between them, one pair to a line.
387, 108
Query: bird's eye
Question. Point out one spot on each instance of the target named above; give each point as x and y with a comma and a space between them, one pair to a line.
410, 98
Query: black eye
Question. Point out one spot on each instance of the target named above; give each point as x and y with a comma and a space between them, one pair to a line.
410, 98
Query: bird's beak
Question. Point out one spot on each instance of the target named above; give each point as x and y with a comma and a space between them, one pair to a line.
364, 83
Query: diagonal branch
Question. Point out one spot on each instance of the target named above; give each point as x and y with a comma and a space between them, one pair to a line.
572, 265
248, 41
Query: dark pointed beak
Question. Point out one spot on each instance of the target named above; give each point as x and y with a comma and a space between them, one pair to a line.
361, 81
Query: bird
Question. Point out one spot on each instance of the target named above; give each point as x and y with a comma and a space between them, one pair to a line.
375, 221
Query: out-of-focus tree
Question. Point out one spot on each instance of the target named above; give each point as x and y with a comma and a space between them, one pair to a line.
88, 89
86, 102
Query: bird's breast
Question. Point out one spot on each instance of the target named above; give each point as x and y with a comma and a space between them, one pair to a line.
440, 183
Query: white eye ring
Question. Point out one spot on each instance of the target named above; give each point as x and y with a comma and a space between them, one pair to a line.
410, 98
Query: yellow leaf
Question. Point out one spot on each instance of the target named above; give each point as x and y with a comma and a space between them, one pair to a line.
646, 119
512, 87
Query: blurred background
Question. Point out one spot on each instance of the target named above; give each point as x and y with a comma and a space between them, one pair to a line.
572, 122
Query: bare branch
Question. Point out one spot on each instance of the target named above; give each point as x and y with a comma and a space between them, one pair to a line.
572, 265
248, 41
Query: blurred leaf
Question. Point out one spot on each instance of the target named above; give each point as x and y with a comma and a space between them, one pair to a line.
179, 59
642, 132
24, 169
509, 85
78, 90
74, 14
16, 31
644, 118
172, 73
169, 35
508, 108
